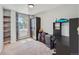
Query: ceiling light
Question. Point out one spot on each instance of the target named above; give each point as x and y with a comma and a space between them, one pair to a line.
31, 5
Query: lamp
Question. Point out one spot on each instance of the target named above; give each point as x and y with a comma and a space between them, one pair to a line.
31, 5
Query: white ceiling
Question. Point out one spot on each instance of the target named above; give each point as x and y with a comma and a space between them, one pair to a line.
22, 8
38, 8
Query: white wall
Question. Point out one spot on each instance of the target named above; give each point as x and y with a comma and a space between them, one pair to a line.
13, 26
14, 8
47, 18
1, 28
78, 9
22, 8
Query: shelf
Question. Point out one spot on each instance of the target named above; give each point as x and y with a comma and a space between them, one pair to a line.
7, 26
6, 42
7, 34
6, 21
6, 17
5, 31
7, 37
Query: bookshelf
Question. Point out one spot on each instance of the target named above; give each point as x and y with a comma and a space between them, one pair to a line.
6, 26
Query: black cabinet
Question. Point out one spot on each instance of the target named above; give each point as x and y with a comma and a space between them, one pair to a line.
73, 23
73, 42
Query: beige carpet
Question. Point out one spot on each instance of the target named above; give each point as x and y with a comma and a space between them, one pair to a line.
26, 47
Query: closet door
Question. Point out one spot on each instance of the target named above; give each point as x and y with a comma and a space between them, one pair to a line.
35, 23
33, 28
38, 26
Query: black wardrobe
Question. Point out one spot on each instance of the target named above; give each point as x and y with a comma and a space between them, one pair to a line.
67, 46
